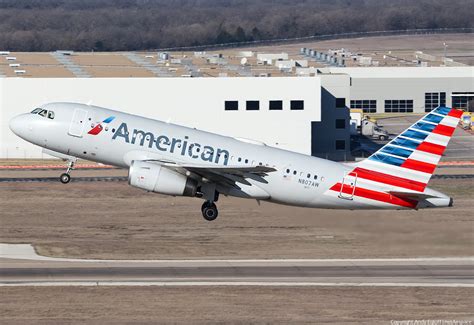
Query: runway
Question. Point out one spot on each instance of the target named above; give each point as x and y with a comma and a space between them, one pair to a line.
20, 266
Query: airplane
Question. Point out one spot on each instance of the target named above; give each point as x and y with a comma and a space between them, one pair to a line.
180, 161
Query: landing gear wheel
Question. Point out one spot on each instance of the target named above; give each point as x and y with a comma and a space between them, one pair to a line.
65, 178
209, 211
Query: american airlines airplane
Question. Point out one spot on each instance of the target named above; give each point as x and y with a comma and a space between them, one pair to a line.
181, 161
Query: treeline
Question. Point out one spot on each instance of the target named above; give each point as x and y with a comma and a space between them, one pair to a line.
122, 25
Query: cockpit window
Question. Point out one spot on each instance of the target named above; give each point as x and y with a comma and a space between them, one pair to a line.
43, 112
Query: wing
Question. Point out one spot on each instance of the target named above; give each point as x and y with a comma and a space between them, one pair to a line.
223, 175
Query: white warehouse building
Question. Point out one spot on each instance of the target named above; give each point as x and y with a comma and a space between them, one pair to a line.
309, 115
408, 89
276, 111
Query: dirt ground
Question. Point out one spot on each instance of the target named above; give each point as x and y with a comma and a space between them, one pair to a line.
111, 220
242, 305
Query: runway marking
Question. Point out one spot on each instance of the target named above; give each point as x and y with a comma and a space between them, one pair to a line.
243, 283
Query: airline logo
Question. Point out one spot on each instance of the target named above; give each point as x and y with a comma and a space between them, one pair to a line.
183, 146
98, 128
405, 164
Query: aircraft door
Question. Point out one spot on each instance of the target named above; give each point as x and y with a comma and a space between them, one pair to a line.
348, 186
78, 122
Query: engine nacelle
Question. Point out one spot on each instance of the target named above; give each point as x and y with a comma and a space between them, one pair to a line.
159, 179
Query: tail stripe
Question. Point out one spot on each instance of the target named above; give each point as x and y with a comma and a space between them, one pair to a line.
450, 121
433, 118
438, 139
388, 179
443, 110
424, 126
431, 148
387, 159
374, 195
419, 166
444, 130
455, 113
396, 170
406, 143
414, 135
426, 157
401, 152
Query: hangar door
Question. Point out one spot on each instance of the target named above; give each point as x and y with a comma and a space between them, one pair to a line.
76, 128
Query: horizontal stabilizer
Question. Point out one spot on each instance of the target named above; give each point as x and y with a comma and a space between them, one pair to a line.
412, 195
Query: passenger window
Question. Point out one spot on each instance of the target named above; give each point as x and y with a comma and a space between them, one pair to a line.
36, 111
308, 176
287, 171
294, 172
51, 114
43, 112
315, 176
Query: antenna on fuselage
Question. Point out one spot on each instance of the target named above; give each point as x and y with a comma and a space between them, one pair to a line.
89, 102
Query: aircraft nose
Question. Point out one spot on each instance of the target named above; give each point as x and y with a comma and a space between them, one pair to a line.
18, 124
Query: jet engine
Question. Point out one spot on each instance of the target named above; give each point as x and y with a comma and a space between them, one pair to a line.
159, 179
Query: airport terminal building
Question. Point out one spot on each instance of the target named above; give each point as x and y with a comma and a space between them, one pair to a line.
309, 114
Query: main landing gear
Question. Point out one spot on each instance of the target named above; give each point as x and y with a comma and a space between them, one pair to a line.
209, 211
209, 208
65, 177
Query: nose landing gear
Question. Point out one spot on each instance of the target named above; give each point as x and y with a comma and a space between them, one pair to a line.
65, 177
209, 211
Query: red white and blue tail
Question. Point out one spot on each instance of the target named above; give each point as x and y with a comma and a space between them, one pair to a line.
408, 161
396, 176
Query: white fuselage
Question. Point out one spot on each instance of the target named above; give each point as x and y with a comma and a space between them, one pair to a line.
299, 179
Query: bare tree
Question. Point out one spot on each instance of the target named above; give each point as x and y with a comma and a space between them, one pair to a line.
111, 25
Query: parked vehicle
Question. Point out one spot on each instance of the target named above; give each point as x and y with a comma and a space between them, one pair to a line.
371, 129
467, 121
